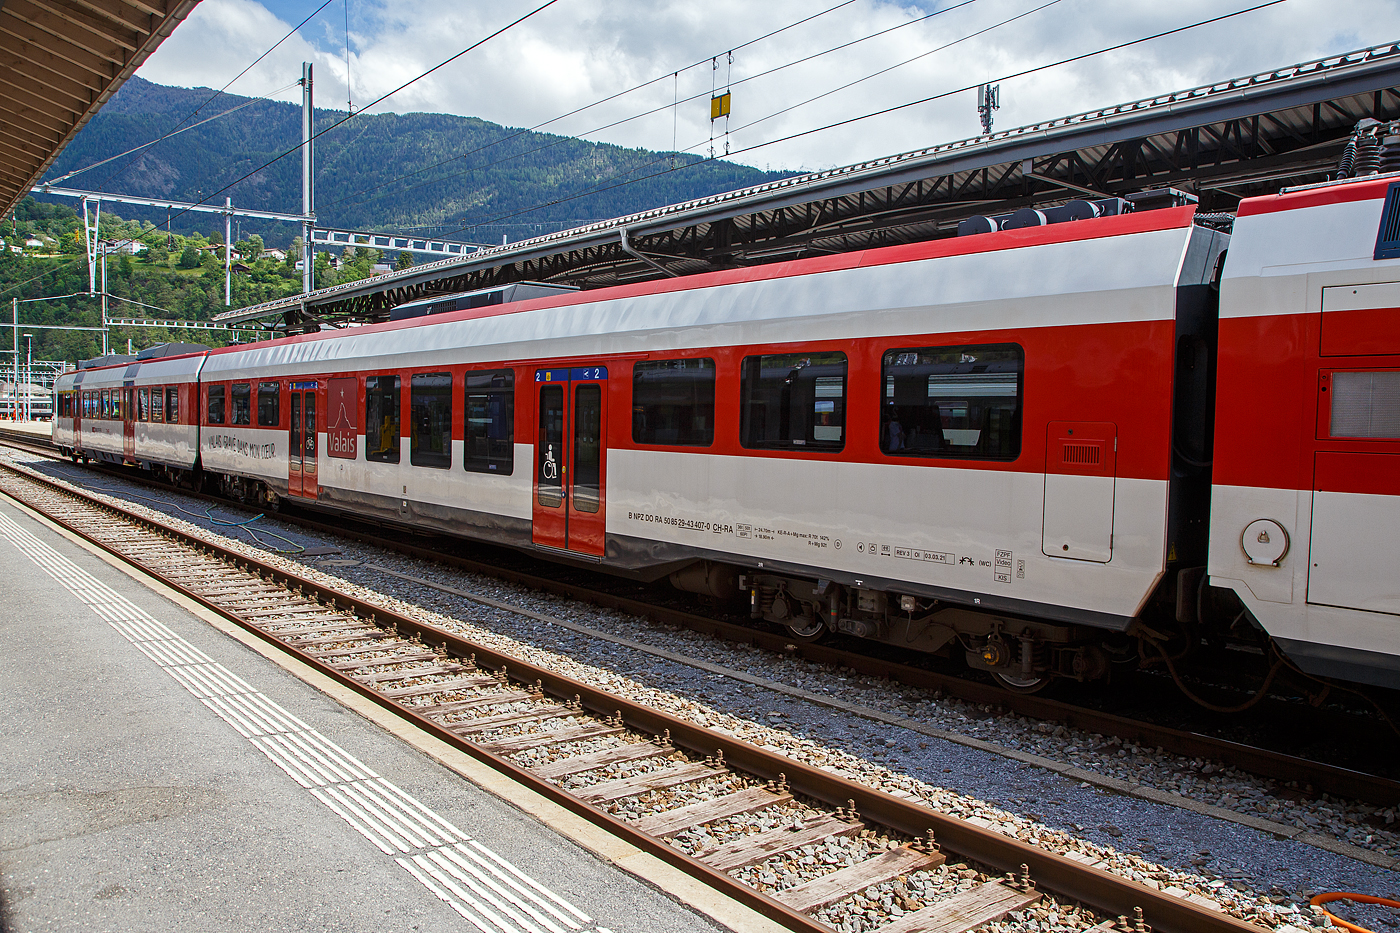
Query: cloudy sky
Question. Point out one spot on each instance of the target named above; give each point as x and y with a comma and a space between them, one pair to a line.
578, 52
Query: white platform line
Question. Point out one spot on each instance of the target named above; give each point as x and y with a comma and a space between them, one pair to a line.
449, 864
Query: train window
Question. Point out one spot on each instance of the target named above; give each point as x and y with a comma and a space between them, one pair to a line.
952, 402
240, 403
157, 403
382, 419
489, 435
550, 451
793, 400
143, 404
430, 407
673, 402
106, 404
1365, 405
216, 405
172, 403
269, 404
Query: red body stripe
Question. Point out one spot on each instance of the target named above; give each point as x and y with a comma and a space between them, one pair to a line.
1369, 474
1335, 194
1361, 332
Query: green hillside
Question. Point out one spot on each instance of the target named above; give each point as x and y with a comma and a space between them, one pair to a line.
368, 171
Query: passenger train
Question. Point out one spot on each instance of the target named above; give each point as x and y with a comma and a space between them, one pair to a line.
1063, 441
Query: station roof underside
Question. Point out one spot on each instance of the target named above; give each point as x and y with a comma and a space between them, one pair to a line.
60, 61
1221, 142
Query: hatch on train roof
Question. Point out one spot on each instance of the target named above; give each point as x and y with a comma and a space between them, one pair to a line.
501, 294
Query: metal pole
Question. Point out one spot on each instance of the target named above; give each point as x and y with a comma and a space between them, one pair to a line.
29, 379
308, 279
14, 389
228, 253
104, 303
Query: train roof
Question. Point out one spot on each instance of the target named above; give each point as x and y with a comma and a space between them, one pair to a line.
1230, 138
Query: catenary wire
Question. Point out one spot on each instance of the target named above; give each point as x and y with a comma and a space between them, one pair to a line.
206, 102
379, 100
866, 116
646, 113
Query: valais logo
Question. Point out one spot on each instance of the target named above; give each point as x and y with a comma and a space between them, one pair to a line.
344, 418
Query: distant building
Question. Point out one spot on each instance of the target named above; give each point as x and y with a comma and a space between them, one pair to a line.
124, 247
278, 254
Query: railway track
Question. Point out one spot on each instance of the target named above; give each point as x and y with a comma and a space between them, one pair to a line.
727, 812
1313, 777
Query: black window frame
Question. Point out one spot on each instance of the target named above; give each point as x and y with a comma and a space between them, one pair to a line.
172, 404
215, 392
972, 362
375, 398
822, 365
495, 390
158, 404
272, 391
659, 405
425, 418
240, 392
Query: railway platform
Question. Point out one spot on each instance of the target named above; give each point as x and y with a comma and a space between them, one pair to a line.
158, 772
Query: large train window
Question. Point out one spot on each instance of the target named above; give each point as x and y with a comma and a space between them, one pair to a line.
172, 403
157, 403
430, 407
793, 400
382, 418
269, 404
241, 403
489, 435
143, 404
673, 402
215, 413
106, 404
952, 402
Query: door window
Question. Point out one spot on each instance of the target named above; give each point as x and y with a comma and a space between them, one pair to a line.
382, 419
588, 446
551, 446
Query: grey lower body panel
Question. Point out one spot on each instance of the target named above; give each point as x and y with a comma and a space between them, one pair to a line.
427, 516
637, 553
1354, 664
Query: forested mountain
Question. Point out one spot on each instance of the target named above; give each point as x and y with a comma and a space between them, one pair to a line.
365, 170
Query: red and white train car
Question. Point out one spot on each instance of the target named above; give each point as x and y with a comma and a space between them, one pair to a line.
879, 442
140, 412
1305, 510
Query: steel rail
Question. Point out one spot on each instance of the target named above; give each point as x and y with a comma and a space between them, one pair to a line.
1102, 890
1322, 776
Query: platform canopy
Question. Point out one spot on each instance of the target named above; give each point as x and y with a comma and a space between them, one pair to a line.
1220, 143
60, 61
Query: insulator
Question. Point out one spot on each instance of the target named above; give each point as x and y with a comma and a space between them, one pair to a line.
1368, 155
1347, 162
1390, 150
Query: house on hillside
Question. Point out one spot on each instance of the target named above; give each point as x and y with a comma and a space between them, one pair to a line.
278, 254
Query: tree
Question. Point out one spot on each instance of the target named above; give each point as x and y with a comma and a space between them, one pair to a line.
124, 268
189, 257
251, 248
405, 261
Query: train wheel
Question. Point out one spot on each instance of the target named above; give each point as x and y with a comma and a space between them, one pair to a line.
806, 628
1017, 684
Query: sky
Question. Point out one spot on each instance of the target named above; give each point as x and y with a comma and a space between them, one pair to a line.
575, 53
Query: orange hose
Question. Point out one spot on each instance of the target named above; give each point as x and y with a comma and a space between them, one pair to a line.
1319, 899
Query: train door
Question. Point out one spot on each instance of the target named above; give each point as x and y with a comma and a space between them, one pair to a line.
301, 441
571, 458
128, 405
75, 399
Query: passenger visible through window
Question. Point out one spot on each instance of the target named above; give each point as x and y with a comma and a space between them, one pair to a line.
269, 404
952, 402
673, 402
241, 403
382, 418
489, 428
793, 400
430, 407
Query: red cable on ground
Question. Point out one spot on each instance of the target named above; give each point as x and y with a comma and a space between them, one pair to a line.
1319, 899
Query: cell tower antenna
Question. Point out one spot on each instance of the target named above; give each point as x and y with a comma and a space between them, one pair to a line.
988, 99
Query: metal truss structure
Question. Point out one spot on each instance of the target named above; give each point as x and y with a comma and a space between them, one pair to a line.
1219, 142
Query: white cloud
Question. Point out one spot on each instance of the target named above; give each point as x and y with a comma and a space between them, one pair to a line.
578, 51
